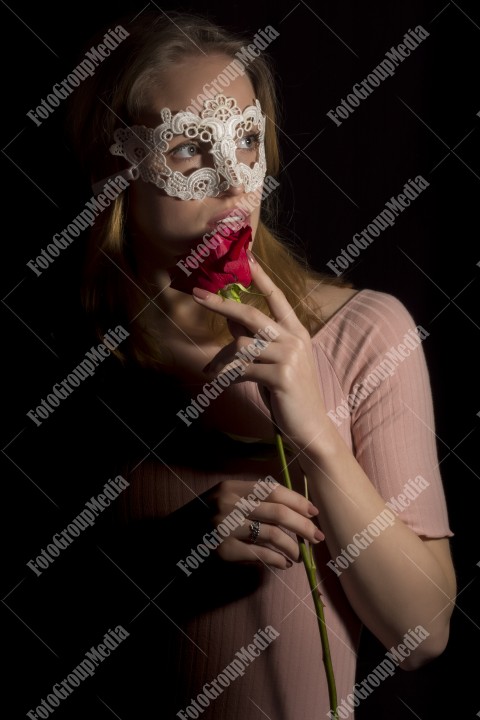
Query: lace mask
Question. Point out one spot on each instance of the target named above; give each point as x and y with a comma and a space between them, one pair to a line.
228, 147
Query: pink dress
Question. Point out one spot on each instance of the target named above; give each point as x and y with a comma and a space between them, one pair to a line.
216, 612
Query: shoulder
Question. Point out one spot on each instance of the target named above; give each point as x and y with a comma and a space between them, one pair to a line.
364, 306
363, 321
372, 336
328, 299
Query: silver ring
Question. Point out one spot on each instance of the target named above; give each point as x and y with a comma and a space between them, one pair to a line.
254, 531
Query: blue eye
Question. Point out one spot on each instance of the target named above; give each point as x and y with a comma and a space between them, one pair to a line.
190, 150
185, 151
249, 142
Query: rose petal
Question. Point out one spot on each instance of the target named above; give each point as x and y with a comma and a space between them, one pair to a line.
225, 264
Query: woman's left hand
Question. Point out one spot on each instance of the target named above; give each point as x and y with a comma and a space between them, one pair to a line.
286, 366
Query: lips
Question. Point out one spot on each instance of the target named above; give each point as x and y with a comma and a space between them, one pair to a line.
234, 218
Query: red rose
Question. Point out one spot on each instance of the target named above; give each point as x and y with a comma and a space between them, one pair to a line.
225, 264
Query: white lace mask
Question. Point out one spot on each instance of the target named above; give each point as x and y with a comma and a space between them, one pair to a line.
219, 138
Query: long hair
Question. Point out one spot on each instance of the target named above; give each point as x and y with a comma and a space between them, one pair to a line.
115, 96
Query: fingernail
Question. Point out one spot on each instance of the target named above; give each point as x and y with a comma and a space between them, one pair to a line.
312, 509
200, 293
318, 535
251, 258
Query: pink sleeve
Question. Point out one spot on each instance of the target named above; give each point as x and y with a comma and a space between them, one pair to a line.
393, 426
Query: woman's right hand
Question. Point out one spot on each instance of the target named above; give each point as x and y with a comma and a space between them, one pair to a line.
280, 510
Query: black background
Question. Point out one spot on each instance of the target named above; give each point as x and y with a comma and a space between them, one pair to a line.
334, 180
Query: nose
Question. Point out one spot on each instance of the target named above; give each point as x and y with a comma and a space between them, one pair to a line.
234, 191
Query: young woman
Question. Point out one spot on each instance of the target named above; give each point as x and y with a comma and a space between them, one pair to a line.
339, 370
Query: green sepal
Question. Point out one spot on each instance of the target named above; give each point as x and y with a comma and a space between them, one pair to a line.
232, 291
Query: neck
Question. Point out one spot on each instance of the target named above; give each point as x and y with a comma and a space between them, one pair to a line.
171, 308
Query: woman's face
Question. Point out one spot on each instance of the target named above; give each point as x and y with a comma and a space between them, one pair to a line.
165, 227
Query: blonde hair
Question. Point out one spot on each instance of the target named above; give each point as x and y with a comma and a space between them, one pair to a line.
115, 95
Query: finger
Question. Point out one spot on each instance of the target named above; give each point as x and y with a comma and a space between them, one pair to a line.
247, 315
282, 495
236, 329
243, 493
277, 514
238, 551
261, 374
243, 350
272, 536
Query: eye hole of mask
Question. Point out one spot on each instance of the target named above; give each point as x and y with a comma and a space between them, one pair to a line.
191, 153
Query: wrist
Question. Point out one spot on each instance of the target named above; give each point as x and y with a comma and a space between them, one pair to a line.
326, 449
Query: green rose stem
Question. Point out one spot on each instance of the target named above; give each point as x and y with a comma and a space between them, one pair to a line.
309, 563
232, 292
